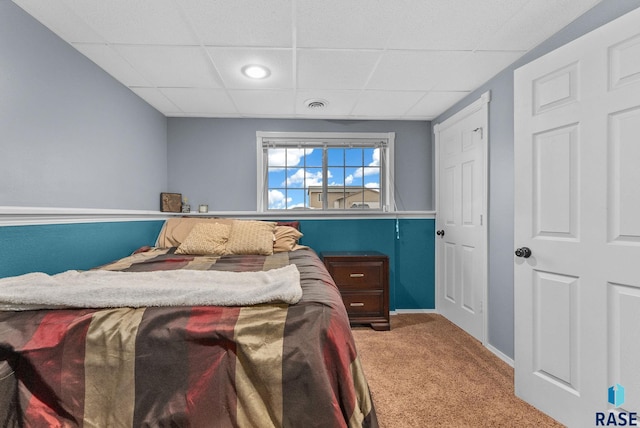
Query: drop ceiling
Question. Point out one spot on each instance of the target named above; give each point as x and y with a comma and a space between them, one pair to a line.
368, 59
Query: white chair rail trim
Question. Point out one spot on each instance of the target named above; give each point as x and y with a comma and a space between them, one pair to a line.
22, 216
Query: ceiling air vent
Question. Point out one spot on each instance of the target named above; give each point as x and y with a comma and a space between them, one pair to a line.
316, 103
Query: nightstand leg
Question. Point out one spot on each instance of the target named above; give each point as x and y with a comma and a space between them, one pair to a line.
381, 326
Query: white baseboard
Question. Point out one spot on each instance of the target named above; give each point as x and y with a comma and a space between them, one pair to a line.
500, 354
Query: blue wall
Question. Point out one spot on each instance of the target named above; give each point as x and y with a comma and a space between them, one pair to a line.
56, 248
410, 247
59, 247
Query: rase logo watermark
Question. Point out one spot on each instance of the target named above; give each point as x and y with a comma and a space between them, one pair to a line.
616, 395
613, 418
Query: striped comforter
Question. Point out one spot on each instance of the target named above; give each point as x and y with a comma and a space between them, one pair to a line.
268, 365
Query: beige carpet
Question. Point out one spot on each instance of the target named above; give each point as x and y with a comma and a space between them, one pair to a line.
427, 372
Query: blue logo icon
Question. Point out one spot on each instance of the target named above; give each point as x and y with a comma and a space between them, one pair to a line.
616, 395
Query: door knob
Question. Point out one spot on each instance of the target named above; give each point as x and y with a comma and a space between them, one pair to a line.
523, 252
440, 233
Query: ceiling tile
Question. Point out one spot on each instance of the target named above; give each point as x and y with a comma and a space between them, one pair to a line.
172, 66
369, 59
434, 103
536, 22
157, 100
339, 23
335, 69
476, 68
339, 103
201, 102
111, 62
451, 25
135, 22
264, 102
388, 104
229, 63
412, 70
56, 16
241, 22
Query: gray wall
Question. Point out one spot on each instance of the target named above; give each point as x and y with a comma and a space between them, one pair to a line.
70, 135
213, 161
501, 169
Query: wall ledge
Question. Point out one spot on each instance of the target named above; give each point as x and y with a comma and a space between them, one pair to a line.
22, 216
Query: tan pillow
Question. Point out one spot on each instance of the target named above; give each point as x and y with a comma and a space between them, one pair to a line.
251, 237
206, 238
286, 238
175, 230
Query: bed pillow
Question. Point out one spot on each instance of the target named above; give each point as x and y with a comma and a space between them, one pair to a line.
206, 238
175, 230
251, 237
293, 223
286, 238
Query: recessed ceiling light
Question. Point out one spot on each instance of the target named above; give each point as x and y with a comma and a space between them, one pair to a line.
256, 71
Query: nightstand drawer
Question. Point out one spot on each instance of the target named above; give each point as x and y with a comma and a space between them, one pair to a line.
357, 275
365, 304
363, 280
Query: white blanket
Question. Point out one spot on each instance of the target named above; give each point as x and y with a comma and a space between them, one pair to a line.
107, 289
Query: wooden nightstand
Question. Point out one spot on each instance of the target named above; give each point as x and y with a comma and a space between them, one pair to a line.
363, 280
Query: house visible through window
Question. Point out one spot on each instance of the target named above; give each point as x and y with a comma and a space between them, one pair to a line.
325, 171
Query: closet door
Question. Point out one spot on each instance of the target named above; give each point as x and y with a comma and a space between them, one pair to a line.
461, 241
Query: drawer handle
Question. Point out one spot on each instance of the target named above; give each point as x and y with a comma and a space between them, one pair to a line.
356, 304
356, 275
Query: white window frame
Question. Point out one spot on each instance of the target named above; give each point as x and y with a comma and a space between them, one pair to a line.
262, 137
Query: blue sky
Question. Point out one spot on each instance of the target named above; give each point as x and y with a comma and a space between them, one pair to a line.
293, 170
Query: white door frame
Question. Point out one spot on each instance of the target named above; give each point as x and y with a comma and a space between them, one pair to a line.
482, 103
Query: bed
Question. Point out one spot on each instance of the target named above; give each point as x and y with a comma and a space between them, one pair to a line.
264, 364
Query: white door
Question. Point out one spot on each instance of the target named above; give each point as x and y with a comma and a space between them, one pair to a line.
461, 244
577, 207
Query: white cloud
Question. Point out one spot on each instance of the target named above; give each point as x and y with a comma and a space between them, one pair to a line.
293, 157
306, 178
372, 185
363, 172
300, 205
277, 199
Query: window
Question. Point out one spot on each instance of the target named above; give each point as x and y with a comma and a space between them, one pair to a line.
325, 171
